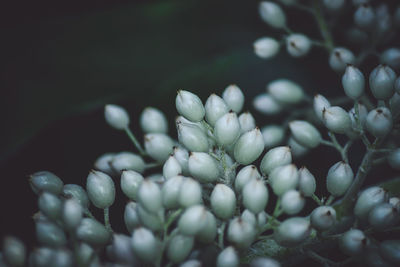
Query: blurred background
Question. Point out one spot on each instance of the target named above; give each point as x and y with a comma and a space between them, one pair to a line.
62, 61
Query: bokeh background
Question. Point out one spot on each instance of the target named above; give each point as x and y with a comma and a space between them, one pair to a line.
62, 61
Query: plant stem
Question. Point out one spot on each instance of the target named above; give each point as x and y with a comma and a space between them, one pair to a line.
221, 231
135, 141
316, 199
322, 25
107, 219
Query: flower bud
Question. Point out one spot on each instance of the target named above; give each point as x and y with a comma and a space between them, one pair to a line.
364, 17
192, 220
339, 178
233, 97
42, 256
223, 201
149, 196
215, 108
245, 175
189, 106
353, 82
228, 258
189, 193
179, 248
72, 213
191, 263
101, 189
116, 117
203, 167
153, 221
292, 231
14, 251
264, 261
284, 178
62, 257
170, 192
353, 242
367, 200
227, 129
182, 156
266, 47
76, 192
130, 182
292, 202
336, 119
320, 104
255, 195
334, 5
128, 161
394, 159
296, 149
275, 157
241, 233
391, 57
247, 122
266, 104
171, 167
103, 163
323, 218
285, 91
397, 85
394, 104
305, 133
273, 135
298, 45
381, 82
46, 181
340, 57
208, 233
131, 218
390, 250
93, 232
249, 147
379, 122
272, 14
307, 183
153, 120
383, 216
50, 234
249, 217
158, 146
145, 245
192, 137
50, 205
121, 251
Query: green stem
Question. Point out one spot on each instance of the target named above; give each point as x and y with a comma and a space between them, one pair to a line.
277, 211
107, 219
322, 25
89, 214
135, 141
316, 199
221, 235
329, 200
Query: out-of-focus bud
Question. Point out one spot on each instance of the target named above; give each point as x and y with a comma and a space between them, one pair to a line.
272, 14
153, 120
340, 57
234, 97
266, 47
298, 45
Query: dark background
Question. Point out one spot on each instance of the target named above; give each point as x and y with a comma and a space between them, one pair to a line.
61, 61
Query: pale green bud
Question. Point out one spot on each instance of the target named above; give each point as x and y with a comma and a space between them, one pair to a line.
320, 104
296, 149
275, 157
264, 261
353, 242
170, 192
50, 205
189, 106
249, 217
128, 161
72, 213
305, 133
227, 129
323, 218
391, 57
247, 122
336, 119
50, 234
145, 245
192, 137
397, 85
394, 159
171, 167
364, 17
245, 175
241, 233
307, 183
383, 216
249, 147
273, 135
153, 120
121, 251
42, 256
367, 200
209, 231
149, 196
266, 47
46, 181
191, 263
130, 182
215, 108
379, 122
103, 163
193, 220
390, 250
233, 97
179, 248
182, 156
339, 178
353, 82
131, 218
381, 82
284, 178
272, 14
93, 232
285, 91
116, 117
255, 195
101, 189
292, 202
77, 192
228, 258
334, 5
223, 201
158, 146
189, 193
298, 45
266, 104
62, 258
340, 57
153, 221
292, 231
14, 251
203, 167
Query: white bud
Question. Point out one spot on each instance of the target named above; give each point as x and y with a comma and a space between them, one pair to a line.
272, 14
153, 120
227, 129
116, 117
285, 91
131, 217
334, 5
103, 163
273, 135
189, 193
241, 233
128, 161
244, 176
353, 242
298, 45
320, 104
266, 104
364, 17
149, 196
247, 122
379, 122
367, 200
158, 146
307, 183
234, 97
305, 133
145, 245
130, 182
275, 157
353, 82
101, 190
336, 119
189, 106
284, 178
249, 217
383, 216
203, 167
391, 57
394, 159
296, 149
170, 192
223, 201
171, 167
265, 261
292, 232
192, 137
340, 57
192, 220
121, 251
209, 231
191, 263
381, 82
215, 108
14, 252
255, 195
339, 178
228, 258
153, 221
266, 47
179, 248
182, 156
292, 202
72, 213
249, 147
323, 218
